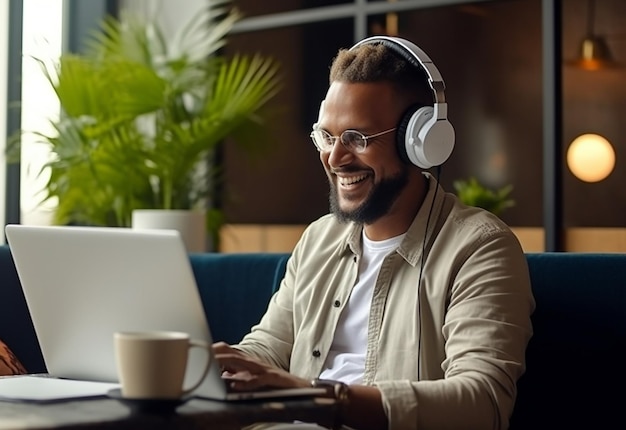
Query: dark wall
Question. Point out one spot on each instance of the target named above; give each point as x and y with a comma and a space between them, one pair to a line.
595, 102
489, 54
490, 58
287, 185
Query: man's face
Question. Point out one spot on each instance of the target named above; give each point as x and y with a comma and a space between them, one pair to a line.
363, 186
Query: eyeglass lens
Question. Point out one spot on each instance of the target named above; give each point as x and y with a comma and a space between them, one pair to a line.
350, 139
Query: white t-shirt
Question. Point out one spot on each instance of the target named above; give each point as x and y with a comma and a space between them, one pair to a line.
346, 359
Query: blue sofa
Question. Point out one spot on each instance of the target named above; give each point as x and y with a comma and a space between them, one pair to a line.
574, 360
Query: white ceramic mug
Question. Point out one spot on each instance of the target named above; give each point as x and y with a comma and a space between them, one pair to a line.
153, 364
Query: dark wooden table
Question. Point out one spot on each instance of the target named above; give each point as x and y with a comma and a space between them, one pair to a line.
106, 413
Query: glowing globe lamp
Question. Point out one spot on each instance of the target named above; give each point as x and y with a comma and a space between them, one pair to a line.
590, 157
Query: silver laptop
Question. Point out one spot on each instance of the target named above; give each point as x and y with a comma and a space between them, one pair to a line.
82, 284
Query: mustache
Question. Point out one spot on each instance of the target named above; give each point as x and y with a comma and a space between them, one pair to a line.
346, 169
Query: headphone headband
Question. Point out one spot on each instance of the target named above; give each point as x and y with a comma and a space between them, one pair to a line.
413, 55
425, 137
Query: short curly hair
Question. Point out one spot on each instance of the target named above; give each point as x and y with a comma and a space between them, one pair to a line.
377, 62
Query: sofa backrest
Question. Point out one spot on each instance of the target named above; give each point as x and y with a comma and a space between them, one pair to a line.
16, 327
575, 356
236, 289
573, 360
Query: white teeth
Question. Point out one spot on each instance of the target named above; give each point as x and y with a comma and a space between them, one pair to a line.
351, 180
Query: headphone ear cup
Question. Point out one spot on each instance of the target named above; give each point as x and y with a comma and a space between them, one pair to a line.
437, 143
409, 137
427, 141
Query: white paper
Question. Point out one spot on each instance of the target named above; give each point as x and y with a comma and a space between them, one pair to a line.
41, 388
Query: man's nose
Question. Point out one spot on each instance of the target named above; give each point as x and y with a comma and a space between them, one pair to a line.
339, 154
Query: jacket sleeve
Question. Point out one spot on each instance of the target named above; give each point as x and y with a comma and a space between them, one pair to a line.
271, 340
486, 329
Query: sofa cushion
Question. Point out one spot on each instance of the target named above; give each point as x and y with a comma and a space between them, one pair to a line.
9, 363
236, 288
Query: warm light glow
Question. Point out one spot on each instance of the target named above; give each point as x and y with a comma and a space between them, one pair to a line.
590, 157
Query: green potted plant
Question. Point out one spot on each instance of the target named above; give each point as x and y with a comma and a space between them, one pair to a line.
473, 193
141, 117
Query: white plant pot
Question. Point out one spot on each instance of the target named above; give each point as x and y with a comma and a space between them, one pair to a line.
190, 223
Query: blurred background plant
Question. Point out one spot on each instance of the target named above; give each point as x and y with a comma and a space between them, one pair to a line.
142, 117
473, 193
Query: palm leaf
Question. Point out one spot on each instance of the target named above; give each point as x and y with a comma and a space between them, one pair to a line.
141, 118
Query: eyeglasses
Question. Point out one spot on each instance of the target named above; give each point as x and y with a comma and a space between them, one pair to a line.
353, 140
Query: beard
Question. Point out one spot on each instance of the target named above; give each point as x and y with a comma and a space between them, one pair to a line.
376, 204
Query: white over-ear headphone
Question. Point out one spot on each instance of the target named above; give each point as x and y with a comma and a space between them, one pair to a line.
425, 137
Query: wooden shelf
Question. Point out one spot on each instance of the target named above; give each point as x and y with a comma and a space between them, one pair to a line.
282, 238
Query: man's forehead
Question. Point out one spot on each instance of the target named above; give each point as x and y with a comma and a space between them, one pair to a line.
349, 101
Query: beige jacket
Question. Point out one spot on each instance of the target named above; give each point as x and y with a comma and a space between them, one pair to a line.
445, 347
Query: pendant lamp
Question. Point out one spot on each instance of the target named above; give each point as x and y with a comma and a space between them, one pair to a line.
594, 53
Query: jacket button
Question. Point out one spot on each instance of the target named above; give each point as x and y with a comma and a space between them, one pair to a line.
354, 258
337, 303
316, 353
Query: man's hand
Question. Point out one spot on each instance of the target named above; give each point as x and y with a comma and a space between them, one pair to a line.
244, 373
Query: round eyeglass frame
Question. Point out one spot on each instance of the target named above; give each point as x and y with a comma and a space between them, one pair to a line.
321, 139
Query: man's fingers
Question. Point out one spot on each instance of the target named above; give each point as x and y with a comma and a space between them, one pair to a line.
243, 373
237, 362
223, 348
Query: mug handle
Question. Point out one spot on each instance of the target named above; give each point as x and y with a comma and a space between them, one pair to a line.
193, 343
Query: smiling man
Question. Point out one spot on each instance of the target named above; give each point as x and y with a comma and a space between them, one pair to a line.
414, 308
369, 183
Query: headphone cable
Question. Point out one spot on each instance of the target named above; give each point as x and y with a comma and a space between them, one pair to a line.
419, 279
